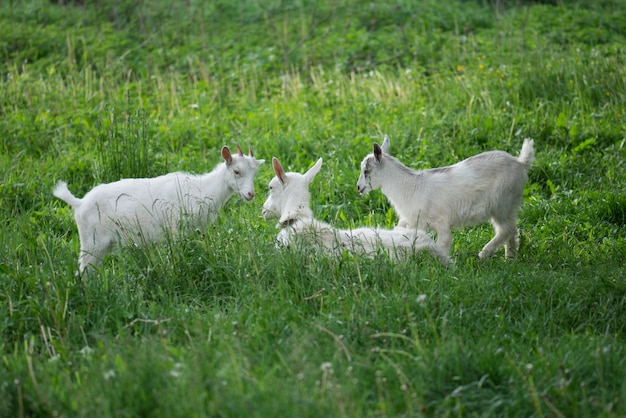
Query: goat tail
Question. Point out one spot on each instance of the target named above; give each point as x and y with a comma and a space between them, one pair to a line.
527, 154
62, 192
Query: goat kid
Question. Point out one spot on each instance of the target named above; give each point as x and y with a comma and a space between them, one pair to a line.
487, 186
143, 210
289, 200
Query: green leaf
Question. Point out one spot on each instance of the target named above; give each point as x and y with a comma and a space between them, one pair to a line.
586, 144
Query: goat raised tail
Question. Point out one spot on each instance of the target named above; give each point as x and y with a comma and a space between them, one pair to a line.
62, 192
527, 154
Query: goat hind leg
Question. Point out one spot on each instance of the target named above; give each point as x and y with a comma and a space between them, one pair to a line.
512, 246
87, 259
505, 233
439, 254
444, 239
92, 252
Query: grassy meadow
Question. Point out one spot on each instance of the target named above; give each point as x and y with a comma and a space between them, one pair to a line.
222, 323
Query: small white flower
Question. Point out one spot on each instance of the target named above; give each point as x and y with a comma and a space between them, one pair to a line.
177, 370
86, 351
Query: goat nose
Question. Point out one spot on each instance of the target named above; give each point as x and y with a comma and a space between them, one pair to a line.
251, 195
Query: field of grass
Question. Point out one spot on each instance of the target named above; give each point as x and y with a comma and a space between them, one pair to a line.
222, 323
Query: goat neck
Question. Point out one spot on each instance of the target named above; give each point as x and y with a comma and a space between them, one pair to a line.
398, 179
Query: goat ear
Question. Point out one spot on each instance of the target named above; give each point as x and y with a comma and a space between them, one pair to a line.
239, 151
378, 152
385, 146
227, 155
278, 170
312, 172
251, 155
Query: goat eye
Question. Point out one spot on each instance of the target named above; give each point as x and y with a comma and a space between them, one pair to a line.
237, 172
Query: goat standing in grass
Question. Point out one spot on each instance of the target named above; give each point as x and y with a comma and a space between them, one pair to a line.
145, 209
486, 186
289, 200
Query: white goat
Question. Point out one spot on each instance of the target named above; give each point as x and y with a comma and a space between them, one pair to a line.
289, 200
486, 186
144, 209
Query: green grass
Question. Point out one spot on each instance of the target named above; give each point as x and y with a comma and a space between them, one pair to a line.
221, 323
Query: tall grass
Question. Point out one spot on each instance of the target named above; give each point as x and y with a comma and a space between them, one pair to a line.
220, 322
123, 147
